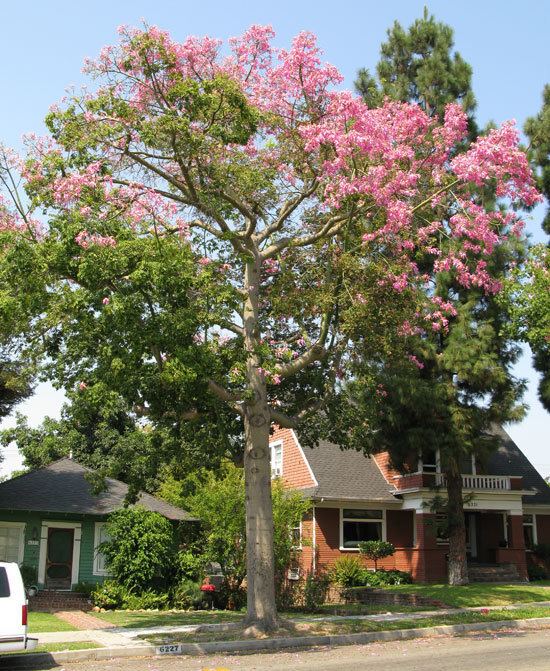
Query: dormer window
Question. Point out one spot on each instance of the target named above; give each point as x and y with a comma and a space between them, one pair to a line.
429, 461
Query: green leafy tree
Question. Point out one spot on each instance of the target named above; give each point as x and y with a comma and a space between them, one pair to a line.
218, 501
458, 381
376, 550
141, 548
227, 237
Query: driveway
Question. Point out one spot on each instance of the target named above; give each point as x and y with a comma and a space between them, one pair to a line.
505, 651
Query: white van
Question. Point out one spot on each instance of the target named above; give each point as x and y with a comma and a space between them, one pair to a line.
13, 611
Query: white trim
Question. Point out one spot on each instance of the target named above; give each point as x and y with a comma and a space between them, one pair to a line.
315, 483
437, 463
505, 523
77, 537
381, 520
95, 570
538, 510
300, 545
272, 446
532, 524
21, 527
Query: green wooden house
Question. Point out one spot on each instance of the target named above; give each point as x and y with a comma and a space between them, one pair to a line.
51, 520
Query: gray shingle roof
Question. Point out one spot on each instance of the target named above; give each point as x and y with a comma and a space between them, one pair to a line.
350, 475
346, 474
508, 459
61, 487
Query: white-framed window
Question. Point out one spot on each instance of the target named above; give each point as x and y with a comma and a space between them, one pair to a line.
296, 536
530, 531
12, 541
429, 461
358, 524
100, 536
276, 459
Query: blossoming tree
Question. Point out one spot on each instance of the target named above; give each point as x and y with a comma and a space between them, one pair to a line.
287, 216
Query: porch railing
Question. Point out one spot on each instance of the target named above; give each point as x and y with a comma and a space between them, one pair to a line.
500, 482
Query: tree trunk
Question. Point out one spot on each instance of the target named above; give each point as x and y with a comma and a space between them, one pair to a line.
261, 609
458, 567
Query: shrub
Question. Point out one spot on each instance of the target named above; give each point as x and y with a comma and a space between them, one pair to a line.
109, 595
376, 550
29, 575
140, 549
381, 578
148, 600
315, 591
348, 571
85, 588
187, 594
190, 565
537, 573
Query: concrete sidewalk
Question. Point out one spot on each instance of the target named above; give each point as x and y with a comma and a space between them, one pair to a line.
120, 637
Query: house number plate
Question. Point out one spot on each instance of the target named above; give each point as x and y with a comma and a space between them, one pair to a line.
169, 650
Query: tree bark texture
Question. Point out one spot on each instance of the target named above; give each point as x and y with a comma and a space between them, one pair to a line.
261, 608
457, 566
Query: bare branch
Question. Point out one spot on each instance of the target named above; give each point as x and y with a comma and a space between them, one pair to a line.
286, 211
224, 395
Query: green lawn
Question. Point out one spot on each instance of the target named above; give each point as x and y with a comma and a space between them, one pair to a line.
480, 594
324, 628
40, 622
122, 618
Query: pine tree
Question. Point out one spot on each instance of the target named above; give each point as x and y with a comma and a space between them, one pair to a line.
459, 379
537, 130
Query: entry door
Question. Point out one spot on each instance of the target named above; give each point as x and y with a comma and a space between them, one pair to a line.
59, 560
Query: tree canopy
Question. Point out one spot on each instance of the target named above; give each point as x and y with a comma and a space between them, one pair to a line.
228, 234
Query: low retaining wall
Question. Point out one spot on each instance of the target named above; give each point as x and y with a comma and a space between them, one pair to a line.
372, 595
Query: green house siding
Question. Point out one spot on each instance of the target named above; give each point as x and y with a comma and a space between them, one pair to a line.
33, 526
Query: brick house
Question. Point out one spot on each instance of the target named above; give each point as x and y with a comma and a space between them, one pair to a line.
354, 498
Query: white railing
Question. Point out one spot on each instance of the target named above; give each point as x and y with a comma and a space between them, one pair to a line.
500, 482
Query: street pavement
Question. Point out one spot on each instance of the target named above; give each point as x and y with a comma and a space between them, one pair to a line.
502, 651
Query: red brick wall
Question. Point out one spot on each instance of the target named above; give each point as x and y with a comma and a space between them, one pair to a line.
383, 461
295, 470
543, 528
425, 564
400, 528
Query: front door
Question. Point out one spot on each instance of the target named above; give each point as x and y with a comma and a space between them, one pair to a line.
59, 559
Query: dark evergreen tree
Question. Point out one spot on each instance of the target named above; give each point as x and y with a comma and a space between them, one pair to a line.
459, 380
537, 130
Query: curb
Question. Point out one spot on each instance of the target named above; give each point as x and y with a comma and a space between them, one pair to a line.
46, 660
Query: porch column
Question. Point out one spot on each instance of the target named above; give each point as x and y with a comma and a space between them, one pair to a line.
429, 563
516, 543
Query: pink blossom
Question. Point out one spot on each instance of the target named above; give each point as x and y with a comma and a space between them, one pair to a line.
106, 300
413, 359
204, 261
82, 386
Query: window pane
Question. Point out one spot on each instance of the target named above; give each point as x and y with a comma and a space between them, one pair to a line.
355, 532
349, 513
528, 519
10, 538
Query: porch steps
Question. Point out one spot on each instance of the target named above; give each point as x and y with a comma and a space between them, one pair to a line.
50, 601
493, 573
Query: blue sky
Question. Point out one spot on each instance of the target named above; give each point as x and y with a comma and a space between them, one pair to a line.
43, 45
